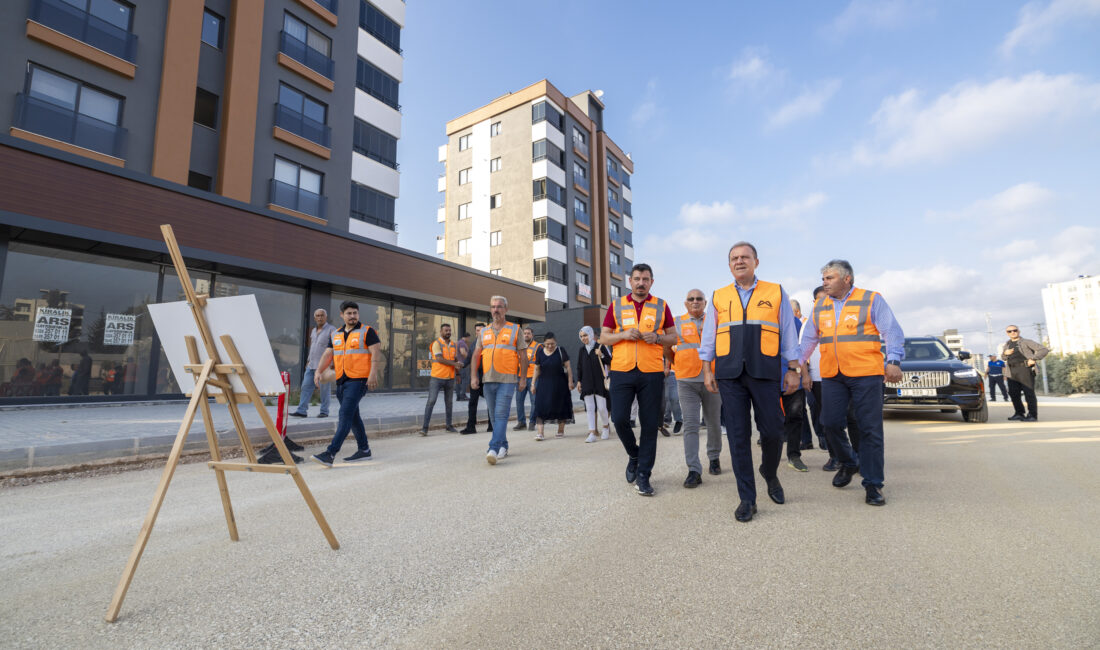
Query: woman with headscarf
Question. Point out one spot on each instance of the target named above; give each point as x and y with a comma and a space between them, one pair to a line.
592, 362
551, 386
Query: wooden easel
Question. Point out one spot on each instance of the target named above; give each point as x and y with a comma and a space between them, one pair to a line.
213, 374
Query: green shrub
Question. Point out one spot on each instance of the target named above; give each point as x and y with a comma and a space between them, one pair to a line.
1074, 373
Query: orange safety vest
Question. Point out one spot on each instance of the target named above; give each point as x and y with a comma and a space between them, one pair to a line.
499, 352
531, 350
447, 350
350, 353
627, 355
747, 338
853, 345
687, 364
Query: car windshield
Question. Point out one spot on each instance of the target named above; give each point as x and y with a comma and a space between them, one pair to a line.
926, 350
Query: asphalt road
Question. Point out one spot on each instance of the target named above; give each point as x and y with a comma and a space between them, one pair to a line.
989, 539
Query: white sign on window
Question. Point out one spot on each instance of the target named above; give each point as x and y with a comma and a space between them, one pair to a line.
119, 329
52, 324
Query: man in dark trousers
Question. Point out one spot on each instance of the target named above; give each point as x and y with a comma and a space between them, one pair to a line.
995, 375
1020, 355
750, 334
475, 393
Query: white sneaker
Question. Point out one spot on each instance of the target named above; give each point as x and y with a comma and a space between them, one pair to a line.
591, 438
603, 436
502, 453
491, 457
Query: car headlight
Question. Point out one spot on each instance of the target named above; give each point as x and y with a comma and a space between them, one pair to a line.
969, 373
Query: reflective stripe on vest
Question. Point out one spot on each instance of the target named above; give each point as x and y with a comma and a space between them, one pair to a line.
352, 356
627, 355
857, 352
747, 338
686, 363
498, 352
449, 351
531, 350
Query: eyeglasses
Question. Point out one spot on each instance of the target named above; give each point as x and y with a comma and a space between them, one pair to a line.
1011, 331
696, 299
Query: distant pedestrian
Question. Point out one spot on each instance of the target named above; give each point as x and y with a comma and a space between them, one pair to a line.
319, 337
354, 349
694, 397
522, 395
995, 374
672, 416
1020, 355
590, 377
474, 371
464, 374
82, 375
443, 354
500, 357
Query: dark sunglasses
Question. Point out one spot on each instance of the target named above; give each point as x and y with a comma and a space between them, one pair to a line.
696, 299
1011, 331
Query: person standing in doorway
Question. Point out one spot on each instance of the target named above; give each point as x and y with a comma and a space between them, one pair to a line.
500, 360
319, 339
354, 348
521, 395
1020, 355
995, 375
444, 366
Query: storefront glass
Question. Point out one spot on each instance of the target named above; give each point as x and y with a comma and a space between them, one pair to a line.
74, 323
428, 324
172, 291
281, 308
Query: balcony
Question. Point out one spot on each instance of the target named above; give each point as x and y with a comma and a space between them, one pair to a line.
366, 218
613, 205
79, 24
582, 218
59, 123
584, 290
583, 254
298, 124
549, 277
617, 269
626, 207
580, 181
302, 53
297, 199
580, 147
616, 238
612, 174
328, 4
624, 178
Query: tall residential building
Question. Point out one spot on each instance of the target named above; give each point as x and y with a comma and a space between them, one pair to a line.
536, 190
263, 131
286, 105
1072, 312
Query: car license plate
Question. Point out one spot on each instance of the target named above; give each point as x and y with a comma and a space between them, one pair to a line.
916, 392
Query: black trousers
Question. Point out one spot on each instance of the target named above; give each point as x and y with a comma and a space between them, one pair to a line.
794, 418
649, 388
1014, 390
994, 382
763, 395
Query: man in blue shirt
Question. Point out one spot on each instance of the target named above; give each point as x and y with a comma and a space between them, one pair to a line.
996, 377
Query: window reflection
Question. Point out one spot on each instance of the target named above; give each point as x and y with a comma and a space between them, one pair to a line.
281, 308
375, 313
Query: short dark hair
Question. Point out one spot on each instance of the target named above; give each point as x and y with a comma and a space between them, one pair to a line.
479, 324
549, 335
348, 304
465, 334
820, 289
444, 325
641, 267
528, 327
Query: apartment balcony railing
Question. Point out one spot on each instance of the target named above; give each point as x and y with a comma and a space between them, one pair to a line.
551, 236
303, 53
626, 208
617, 269
624, 178
582, 217
580, 147
549, 277
328, 4
614, 205
580, 181
298, 124
381, 223
297, 199
583, 254
79, 24
616, 238
60, 123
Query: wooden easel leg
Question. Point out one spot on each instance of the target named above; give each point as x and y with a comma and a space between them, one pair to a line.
239, 426
212, 440
197, 397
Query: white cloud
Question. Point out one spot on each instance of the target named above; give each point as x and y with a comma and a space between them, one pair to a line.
870, 14
1011, 207
971, 115
809, 103
700, 221
751, 69
1037, 23
647, 109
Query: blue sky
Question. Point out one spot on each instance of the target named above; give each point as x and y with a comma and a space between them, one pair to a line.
949, 150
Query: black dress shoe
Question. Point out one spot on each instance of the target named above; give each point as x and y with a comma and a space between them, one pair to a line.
745, 511
642, 487
664, 431
715, 467
296, 414
1030, 418
631, 470
467, 431
874, 497
807, 445
1016, 417
693, 480
844, 476
775, 490
831, 466
676, 429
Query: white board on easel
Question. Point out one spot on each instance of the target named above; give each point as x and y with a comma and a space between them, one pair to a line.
237, 316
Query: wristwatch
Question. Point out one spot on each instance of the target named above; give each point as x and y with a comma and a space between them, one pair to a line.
894, 362
796, 369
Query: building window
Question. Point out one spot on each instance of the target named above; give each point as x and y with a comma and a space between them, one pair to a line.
614, 257
371, 206
546, 150
464, 211
494, 272
464, 176
616, 293
582, 278
494, 129
544, 188
464, 142
495, 201
464, 246
579, 170
65, 109
200, 181
103, 24
612, 226
302, 115
298, 188
213, 27
380, 26
494, 238
546, 228
374, 143
578, 136
581, 242
494, 165
377, 84
548, 269
306, 45
544, 111
206, 108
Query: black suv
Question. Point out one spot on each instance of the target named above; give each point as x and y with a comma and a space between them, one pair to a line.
934, 379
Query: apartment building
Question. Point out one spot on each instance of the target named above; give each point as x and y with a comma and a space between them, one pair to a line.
1072, 311
535, 190
264, 131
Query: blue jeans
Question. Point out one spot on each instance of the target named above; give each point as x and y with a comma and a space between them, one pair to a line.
521, 399
308, 387
498, 401
864, 395
672, 411
348, 394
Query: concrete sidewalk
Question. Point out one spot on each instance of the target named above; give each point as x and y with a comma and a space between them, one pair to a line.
51, 436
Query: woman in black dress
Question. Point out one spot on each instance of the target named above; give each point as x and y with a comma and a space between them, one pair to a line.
551, 386
590, 374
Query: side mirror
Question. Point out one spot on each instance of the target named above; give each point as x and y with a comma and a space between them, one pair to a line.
963, 355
